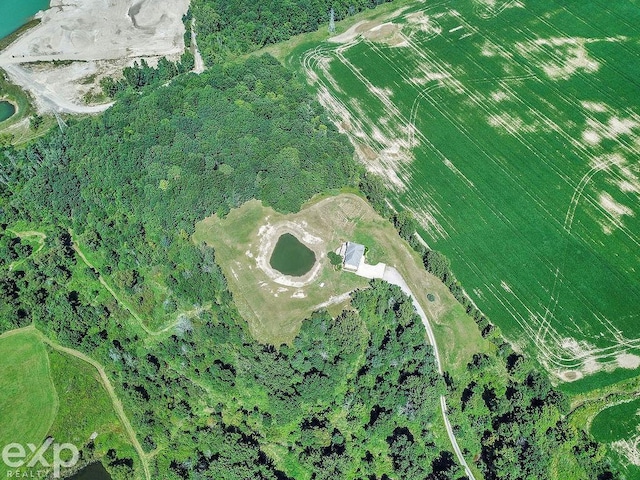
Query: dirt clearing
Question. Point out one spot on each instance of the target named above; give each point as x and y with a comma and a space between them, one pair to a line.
274, 305
100, 37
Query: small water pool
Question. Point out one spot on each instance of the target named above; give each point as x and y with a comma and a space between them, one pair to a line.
94, 471
6, 110
292, 257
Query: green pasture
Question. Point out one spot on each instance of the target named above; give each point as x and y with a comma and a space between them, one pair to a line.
28, 400
521, 134
47, 393
85, 408
617, 422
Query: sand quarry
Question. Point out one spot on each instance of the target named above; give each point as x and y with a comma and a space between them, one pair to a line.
95, 38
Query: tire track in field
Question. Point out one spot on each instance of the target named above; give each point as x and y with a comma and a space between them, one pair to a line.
568, 223
104, 380
578, 193
425, 94
556, 276
443, 158
524, 323
361, 134
492, 11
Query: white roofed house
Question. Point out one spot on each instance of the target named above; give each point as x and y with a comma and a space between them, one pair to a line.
354, 261
353, 256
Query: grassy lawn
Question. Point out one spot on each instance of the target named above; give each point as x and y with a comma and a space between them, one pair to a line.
85, 408
274, 315
28, 400
47, 393
275, 312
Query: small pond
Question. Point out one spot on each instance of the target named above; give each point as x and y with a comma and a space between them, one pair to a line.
292, 257
94, 471
6, 110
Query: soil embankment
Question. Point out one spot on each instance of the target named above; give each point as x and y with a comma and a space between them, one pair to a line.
90, 40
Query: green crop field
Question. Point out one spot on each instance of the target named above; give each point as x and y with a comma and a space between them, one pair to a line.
616, 422
619, 425
512, 130
513, 135
28, 401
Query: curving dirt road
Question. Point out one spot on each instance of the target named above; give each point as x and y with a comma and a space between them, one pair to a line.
188, 314
392, 276
198, 66
117, 405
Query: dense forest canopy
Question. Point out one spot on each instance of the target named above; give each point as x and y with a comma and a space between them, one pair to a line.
198, 145
354, 396
134, 181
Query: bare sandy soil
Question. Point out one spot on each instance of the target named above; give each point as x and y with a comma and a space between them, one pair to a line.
100, 37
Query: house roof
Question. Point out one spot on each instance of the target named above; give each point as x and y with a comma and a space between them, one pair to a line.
353, 254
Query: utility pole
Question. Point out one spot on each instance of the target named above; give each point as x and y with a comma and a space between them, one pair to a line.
332, 22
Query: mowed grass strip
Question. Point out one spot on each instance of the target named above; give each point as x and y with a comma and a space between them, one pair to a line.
85, 408
28, 400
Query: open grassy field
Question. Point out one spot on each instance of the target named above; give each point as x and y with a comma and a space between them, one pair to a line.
85, 408
46, 393
618, 425
513, 136
28, 400
275, 311
512, 130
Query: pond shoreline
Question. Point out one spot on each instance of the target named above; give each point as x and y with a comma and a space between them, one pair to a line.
14, 104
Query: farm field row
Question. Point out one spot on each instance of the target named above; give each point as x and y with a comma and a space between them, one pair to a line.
512, 131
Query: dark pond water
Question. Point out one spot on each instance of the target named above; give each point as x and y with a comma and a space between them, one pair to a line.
292, 257
95, 471
6, 110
